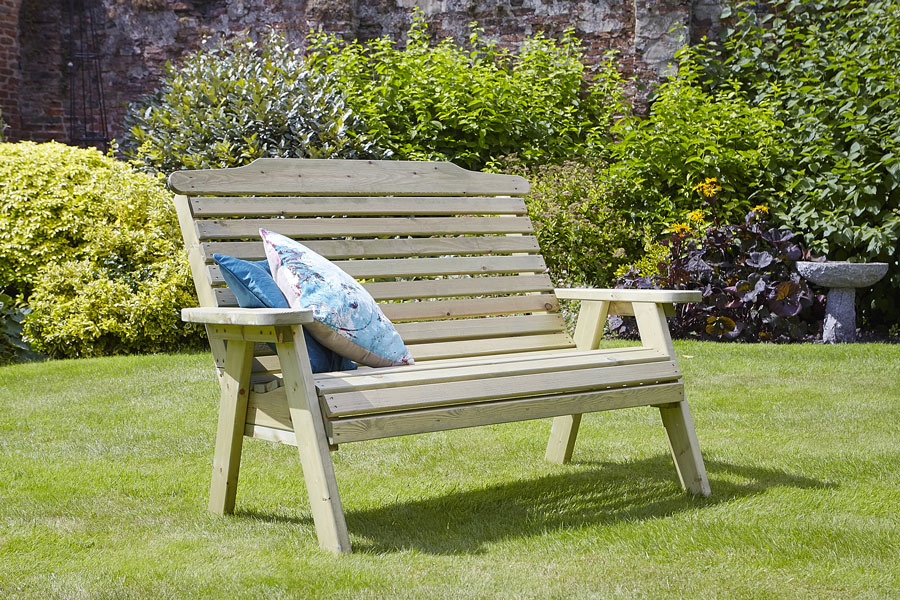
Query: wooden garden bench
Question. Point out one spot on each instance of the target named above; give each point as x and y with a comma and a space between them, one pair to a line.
452, 259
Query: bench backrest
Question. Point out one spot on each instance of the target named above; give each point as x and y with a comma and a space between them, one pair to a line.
449, 254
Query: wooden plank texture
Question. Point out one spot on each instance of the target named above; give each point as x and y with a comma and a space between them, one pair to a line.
425, 267
392, 248
451, 309
225, 229
347, 177
491, 388
358, 429
263, 206
353, 381
526, 343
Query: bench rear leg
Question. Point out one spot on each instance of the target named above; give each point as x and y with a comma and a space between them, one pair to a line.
235, 386
588, 331
685, 448
312, 442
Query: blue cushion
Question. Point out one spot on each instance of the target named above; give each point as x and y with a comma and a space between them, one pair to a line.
253, 286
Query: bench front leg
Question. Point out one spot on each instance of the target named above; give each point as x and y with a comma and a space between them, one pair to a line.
588, 332
312, 440
235, 390
676, 417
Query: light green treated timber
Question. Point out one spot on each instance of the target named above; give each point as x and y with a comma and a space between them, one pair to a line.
588, 332
235, 389
312, 442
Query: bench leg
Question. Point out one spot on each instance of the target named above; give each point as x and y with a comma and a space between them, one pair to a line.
685, 448
588, 331
312, 442
562, 439
235, 386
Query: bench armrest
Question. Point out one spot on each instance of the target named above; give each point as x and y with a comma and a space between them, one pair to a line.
629, 295
257, 317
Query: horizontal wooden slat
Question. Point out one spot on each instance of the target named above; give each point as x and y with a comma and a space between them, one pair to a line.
423, 267
270, 434
470, 329
491, 388
357, 429
269, 409
525, 343
469, 286
255, 206
393, 248
347, 177
349, 381
629, 295
224, 229
477, 307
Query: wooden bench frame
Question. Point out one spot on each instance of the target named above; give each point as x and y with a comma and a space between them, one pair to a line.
301, 412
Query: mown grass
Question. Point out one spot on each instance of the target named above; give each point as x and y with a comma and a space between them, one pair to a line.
104, 470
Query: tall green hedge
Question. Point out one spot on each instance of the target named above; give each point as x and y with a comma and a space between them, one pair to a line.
472, 104
830, 70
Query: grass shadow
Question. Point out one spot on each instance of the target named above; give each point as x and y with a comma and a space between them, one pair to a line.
602, 493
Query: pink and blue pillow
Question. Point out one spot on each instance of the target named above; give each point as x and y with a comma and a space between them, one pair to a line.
347, 318
253, 287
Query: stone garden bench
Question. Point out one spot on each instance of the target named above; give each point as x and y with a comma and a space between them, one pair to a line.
452, 259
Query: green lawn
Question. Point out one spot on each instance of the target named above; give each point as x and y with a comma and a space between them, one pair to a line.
104, 472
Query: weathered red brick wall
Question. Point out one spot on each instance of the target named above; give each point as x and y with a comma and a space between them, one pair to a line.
137, 37
9, 63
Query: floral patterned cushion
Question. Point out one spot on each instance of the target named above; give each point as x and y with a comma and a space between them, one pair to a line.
347, 318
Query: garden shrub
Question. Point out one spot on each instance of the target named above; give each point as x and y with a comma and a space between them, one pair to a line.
830, 69
751, 291
468, 105
690, 135
239, 101
94, 250
580, 221
12, 347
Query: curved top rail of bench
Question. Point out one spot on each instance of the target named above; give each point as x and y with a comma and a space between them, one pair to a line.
307, 176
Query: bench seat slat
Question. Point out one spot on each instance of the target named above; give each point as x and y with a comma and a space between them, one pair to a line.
225, 229
335, 383
425, 267
393, 248
496, 387
262, 206
371, 427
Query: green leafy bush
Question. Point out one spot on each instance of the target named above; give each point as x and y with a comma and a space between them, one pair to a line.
580, 221
831, 72
470, 105
94, 250
12, 347
691, 135
239, 101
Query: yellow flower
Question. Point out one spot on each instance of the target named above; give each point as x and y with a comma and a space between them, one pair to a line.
679, 228
708, 188
762, 208
696, 216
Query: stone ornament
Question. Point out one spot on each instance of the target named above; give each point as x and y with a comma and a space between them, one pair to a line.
842, 279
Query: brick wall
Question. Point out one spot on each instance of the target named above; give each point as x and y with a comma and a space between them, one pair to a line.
137, 37
9, 64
